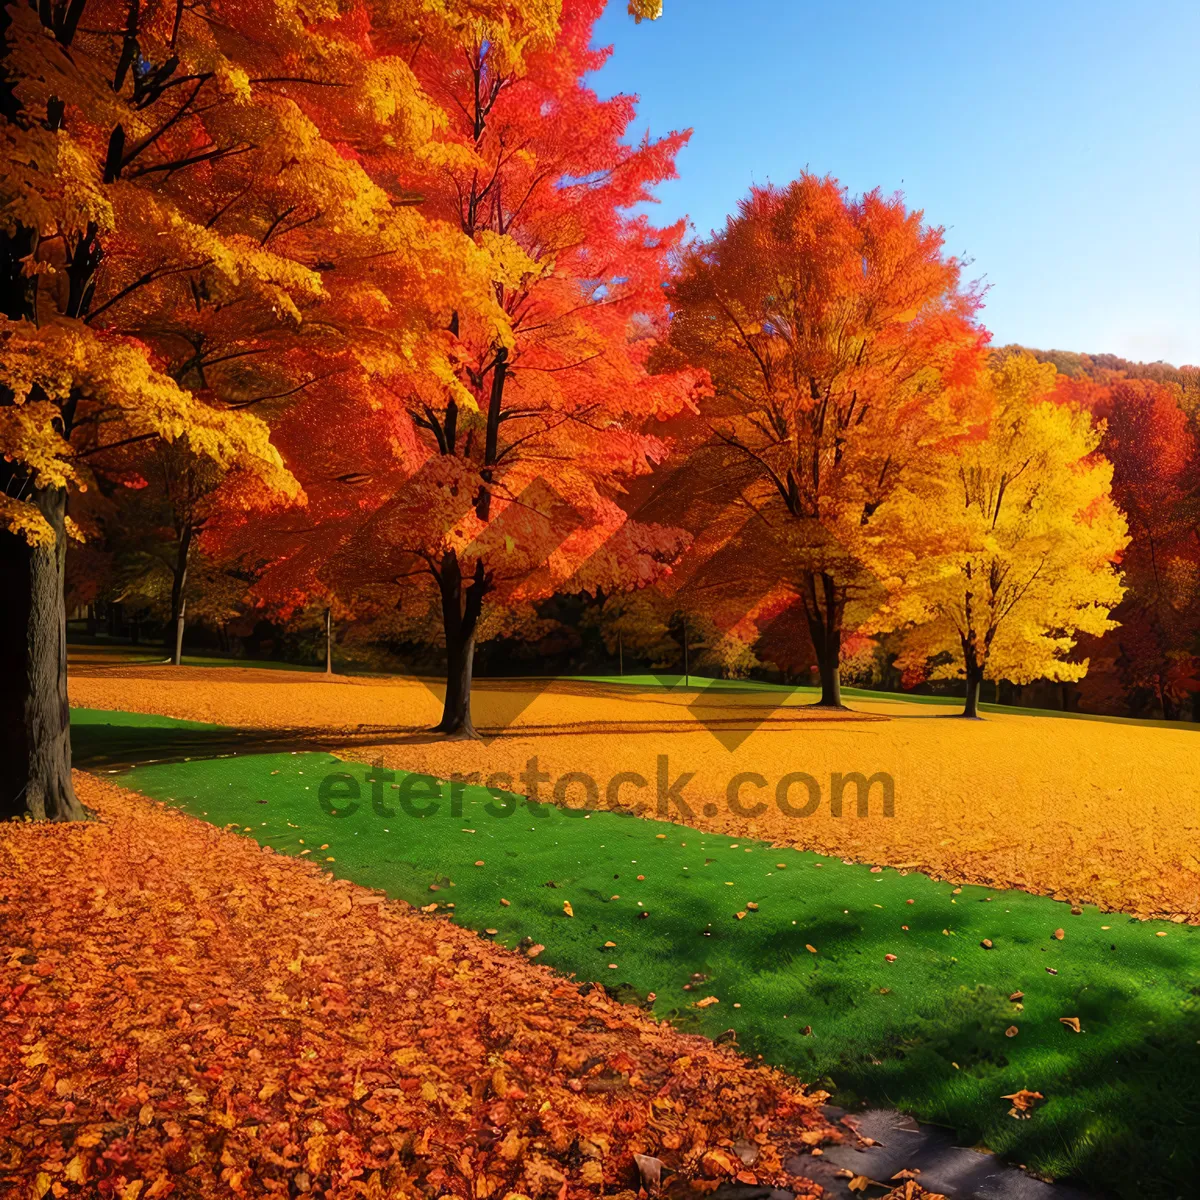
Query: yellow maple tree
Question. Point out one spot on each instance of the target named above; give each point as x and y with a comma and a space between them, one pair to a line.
196, 219
1009, 549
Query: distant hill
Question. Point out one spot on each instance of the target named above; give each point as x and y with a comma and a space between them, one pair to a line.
1099, 366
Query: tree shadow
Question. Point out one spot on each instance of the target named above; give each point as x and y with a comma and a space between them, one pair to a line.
117, 747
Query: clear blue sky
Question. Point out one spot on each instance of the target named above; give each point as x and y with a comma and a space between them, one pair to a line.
1057, 142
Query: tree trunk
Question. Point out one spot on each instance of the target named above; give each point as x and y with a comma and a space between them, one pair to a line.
92, 623
460, 616
328, 642
179, 594
974, 681
824, 607
35, 718
456, 711
177, 655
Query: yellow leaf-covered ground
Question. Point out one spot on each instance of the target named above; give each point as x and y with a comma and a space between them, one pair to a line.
1090, 811
184, 1013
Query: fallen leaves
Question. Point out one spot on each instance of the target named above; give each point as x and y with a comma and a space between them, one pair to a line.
911, 1190
1023, 1103
219, 995
1072, 1023
567, 909
650, 1169
1059, 934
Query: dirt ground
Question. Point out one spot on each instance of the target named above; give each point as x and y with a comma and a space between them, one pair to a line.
1090, 811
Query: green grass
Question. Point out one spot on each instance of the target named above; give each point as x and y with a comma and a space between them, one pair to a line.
925, 1033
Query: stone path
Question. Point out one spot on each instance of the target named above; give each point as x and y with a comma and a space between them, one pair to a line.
957, 1172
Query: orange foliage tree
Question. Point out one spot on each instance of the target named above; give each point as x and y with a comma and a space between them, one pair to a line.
840, 344
499, 481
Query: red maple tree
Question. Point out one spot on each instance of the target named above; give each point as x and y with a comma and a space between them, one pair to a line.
501, 482
1156, 469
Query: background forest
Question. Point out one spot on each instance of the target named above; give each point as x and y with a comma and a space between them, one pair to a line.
122, 586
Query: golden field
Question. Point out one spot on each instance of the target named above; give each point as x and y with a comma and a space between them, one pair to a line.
1096, 812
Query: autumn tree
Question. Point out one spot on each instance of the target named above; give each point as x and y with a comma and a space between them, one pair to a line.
498, 483
1152, 446
839, 342
173, 185
1012, 542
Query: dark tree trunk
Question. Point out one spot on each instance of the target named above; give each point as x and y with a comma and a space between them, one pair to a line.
974, 682
35, 718
824, 606
179, 595
461, 607
92, 624
491, 445
328, 642
177, 653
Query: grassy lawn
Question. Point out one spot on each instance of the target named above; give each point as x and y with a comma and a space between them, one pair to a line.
925, 1032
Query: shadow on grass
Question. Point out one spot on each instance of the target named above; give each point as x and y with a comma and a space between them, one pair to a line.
1121, 1118
96, 746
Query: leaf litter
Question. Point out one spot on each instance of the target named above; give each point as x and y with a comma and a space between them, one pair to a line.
187, 1013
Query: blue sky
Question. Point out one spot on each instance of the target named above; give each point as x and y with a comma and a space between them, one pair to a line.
1058, 143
